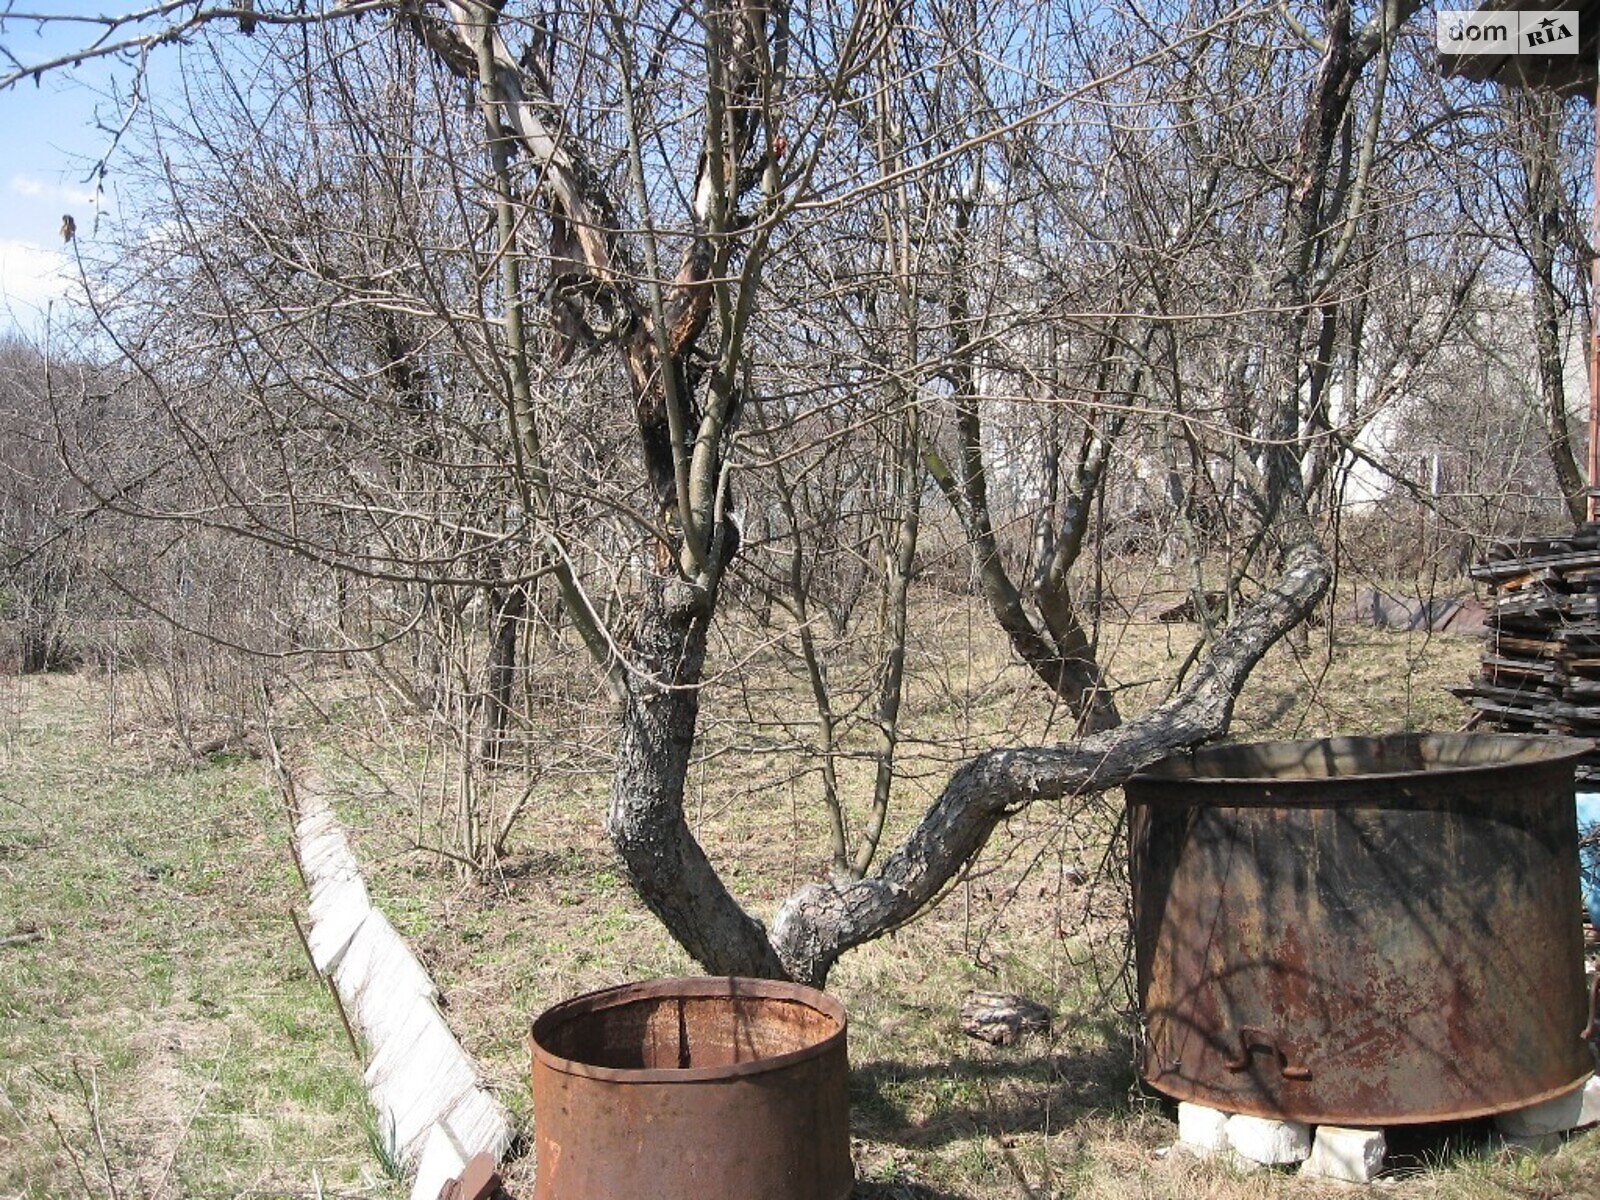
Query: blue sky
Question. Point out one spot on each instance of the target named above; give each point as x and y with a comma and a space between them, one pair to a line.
49, 141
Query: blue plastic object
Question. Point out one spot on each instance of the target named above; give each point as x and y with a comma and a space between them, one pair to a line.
1589, 853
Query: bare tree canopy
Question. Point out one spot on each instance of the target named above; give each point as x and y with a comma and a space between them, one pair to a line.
644, 321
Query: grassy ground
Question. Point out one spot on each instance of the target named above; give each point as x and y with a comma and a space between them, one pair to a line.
164, 1035
934, 1113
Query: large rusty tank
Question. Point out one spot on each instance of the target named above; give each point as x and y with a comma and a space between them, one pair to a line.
684, 1089
1368, 931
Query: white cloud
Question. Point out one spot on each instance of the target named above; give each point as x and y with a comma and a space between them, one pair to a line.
38, 189
31, 277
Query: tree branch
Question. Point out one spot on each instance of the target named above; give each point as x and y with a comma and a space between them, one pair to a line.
823, 920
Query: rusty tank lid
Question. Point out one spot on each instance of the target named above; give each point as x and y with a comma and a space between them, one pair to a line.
690, 988
1327, 770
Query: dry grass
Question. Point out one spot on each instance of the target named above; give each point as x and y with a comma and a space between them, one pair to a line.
164, 1037
934, 1113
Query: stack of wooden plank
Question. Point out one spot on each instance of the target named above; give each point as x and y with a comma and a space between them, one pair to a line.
1540, 671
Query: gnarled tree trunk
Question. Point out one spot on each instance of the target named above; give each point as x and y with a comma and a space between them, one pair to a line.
667, 866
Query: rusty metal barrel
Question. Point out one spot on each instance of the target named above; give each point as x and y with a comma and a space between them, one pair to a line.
683, 1089
1365, 931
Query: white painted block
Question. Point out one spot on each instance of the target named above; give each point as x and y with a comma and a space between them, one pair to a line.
388, 976
354, 967
416, 1111
338, 890
1202, 1129
323, 851
418, 1036
398, 1038
421, 1083
442, 1160
1351, 1155
1572, 1110
330, 937
423, 1043
410, 1115
315, 824
1589, 1110
324, 854
478, 1123
1263, 1140
336, 911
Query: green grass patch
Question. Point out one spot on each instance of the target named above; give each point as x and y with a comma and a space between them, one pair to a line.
167, 1010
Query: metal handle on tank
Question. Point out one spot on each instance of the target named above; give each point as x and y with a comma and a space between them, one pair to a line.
1251, 1040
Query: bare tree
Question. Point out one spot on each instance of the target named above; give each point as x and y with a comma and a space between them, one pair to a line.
828, 263
1545, 228
37, 550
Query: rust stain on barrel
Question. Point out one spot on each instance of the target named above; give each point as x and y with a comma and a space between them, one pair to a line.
1361, 930
680, 1089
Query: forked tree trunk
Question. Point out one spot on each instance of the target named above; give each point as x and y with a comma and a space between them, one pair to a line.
666, 865
671, 873
684, 445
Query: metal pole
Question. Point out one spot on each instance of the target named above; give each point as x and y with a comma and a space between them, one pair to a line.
1594, 324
